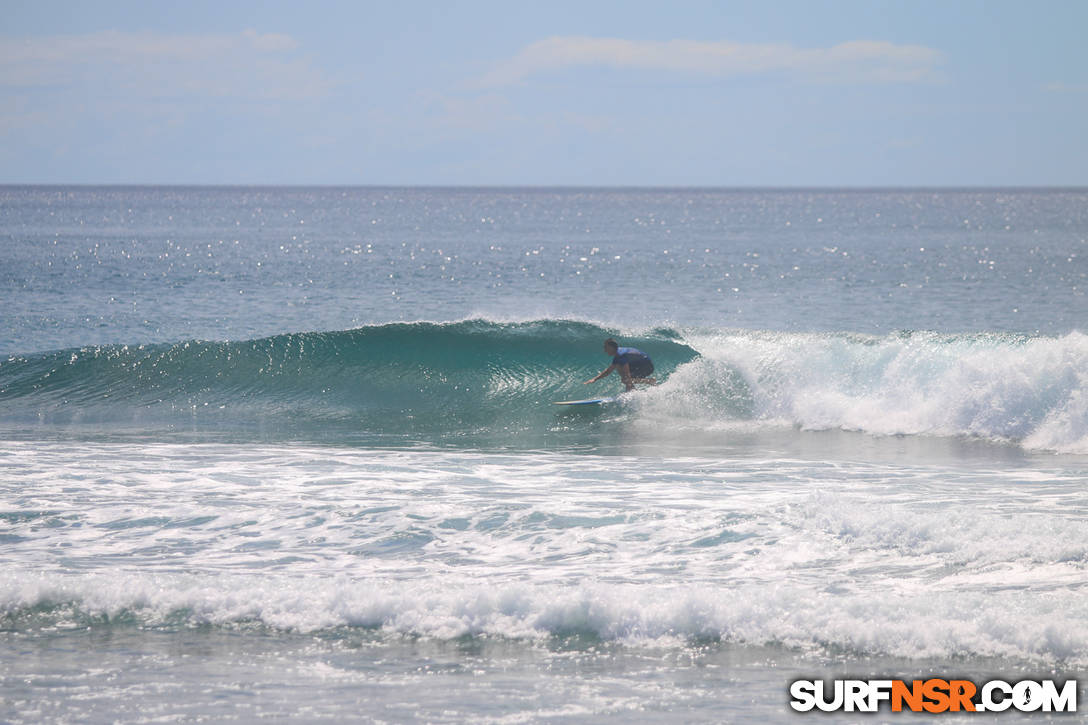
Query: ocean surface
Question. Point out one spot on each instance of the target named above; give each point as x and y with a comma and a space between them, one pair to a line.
290, 453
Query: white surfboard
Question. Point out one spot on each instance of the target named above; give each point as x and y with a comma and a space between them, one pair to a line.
588, 401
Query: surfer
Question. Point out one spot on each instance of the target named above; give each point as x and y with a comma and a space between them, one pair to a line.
634, 365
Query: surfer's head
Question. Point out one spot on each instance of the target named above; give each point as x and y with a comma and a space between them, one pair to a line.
611, 346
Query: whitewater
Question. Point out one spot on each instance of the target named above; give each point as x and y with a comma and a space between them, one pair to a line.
291, 454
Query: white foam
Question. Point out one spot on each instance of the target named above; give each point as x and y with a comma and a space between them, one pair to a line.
1030, 390
914, 561
1031, 626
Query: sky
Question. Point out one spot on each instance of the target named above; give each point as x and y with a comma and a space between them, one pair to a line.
773, 93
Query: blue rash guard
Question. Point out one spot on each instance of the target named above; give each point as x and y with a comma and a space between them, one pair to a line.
640, 364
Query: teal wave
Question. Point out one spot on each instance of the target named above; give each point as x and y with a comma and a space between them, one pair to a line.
422, 380
480, 383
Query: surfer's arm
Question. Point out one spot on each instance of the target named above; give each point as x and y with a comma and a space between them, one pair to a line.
605, 373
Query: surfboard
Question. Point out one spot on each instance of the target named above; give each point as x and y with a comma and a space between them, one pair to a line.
589, 401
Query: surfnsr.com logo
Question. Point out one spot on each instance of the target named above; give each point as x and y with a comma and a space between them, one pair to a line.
933, 695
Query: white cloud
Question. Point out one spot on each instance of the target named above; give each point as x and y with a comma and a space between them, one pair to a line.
245, 65
856, 61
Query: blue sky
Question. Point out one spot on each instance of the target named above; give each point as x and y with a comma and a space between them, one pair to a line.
547, 93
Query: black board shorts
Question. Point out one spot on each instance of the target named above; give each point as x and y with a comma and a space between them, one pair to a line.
641, 368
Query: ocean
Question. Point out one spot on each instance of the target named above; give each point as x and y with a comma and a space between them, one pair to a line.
291, 454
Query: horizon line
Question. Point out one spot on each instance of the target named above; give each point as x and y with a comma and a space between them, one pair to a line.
552, 187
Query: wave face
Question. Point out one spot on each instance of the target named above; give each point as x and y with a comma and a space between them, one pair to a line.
425, 381
480, 382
